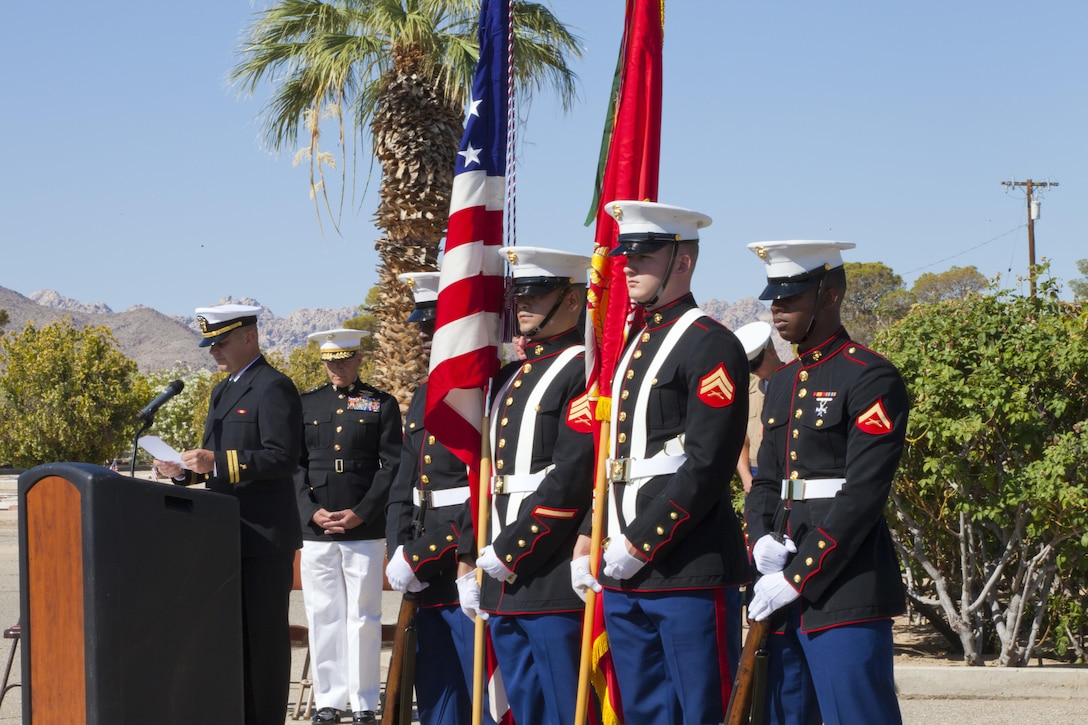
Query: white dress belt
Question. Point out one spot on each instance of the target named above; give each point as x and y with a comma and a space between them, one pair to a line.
624, 470
440, 498
518, 482
799, 489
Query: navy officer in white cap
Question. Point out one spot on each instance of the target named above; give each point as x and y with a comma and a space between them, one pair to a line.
422, 536
542, 451
763, 360
674, 558
834, 425
351, 444
250, 450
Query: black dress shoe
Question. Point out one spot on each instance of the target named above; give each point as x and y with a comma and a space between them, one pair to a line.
364, 716
325, 715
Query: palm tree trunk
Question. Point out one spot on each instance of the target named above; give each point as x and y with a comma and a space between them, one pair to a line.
416, 136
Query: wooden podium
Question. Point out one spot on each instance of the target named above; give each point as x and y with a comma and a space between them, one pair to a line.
130, 600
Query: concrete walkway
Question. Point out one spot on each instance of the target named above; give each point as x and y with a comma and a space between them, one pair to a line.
930, 694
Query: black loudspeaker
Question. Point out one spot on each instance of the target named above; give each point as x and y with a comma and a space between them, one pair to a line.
131, 600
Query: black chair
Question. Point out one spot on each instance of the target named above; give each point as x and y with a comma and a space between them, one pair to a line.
13, 633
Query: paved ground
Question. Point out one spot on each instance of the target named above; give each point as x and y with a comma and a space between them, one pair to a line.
937, 694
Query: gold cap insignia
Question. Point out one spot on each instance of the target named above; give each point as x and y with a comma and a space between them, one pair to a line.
617, 212
761, 252
512, 256
203, 322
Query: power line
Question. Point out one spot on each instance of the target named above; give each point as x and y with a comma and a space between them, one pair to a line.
969, 249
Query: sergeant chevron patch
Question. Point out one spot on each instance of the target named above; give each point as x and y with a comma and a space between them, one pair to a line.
875, 420
716, 389
580, 415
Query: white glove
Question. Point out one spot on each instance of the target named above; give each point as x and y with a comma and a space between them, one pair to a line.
581, 579
490, 563
772, 592
469, 593
769, 554
400, 575
618, 562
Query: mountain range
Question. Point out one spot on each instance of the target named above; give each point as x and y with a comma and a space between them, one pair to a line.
159, 342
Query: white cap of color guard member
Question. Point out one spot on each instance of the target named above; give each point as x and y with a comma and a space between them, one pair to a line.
218, 321
646, 226
338, 344
794, 265
424, 286
754, 337
538, 271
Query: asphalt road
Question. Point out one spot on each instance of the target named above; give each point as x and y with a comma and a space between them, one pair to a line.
930, 694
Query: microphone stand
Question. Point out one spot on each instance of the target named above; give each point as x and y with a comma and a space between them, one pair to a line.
136, 445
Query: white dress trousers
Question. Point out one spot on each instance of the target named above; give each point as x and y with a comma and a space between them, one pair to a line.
342, 590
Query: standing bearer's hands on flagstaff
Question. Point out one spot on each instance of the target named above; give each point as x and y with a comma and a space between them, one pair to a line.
769, 554
619, 563
580, 578
772, 592
468, 592
489, 562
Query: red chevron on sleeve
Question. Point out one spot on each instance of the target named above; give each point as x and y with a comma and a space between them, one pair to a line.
716, 389
875, 420
580, 415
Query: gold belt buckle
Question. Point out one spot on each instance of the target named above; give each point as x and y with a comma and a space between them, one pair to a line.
619, 470
338, 464
500, 484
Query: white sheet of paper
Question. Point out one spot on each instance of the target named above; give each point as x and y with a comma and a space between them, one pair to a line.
160, 449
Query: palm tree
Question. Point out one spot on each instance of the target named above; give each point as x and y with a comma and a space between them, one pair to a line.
403, 69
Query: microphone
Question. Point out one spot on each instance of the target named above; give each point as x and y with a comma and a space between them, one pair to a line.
151, 408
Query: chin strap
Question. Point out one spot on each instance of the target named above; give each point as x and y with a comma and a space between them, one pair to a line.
815, 309
664, 280
551, 313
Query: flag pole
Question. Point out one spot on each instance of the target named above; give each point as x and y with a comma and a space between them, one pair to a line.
483, 516
600, 501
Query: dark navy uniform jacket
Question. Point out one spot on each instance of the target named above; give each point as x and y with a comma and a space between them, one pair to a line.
350, 454
537, 546
252, 426
684, 521
838, 411
425, 466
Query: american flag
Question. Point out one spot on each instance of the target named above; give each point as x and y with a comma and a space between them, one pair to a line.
464, 352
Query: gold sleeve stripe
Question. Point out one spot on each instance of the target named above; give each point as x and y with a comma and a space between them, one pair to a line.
554, 513
233, 475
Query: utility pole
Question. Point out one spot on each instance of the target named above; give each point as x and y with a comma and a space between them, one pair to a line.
1033, 213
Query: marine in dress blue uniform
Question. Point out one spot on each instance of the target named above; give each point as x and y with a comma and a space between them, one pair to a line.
422, 532
250, 451
834, 425
542, 451
351, 446
675, 555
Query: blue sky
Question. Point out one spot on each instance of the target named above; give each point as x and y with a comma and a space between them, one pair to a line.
133, 174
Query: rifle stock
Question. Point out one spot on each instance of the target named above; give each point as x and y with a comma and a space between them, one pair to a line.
397, 709
739, 709
740, 700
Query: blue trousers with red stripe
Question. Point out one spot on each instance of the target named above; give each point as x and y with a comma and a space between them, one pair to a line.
675, 653
445, 641
538, 659
838, 676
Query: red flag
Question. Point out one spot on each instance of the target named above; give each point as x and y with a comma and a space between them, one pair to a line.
464, 352
630, 171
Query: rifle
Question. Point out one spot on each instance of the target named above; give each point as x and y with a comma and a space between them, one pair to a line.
397, 707
752, 667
